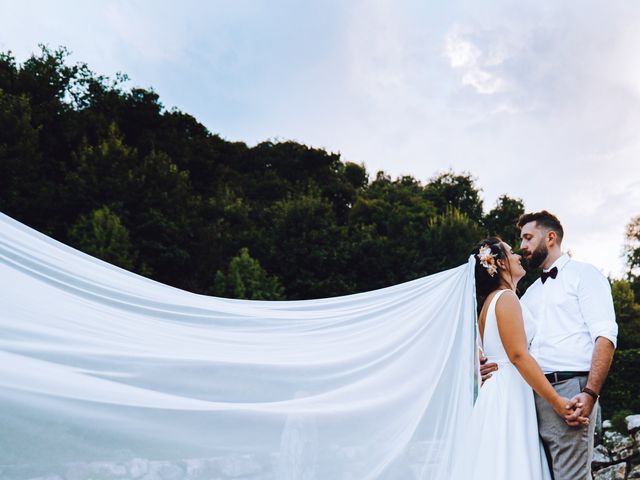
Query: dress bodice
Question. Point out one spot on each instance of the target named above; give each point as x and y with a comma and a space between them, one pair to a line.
491, 342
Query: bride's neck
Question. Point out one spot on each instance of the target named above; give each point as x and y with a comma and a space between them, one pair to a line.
506, 284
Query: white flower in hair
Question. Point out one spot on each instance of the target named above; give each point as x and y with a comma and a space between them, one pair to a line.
487, 259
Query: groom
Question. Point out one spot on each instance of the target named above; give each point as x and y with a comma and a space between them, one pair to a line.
572, 310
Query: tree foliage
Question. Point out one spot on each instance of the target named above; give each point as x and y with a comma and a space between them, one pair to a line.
627, 314
101, 234
246, 279
632, 252
74, 143
501, 219
622, 390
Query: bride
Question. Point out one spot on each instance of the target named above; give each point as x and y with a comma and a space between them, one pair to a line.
503, 441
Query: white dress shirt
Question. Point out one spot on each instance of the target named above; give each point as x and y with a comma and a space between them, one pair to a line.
569, 313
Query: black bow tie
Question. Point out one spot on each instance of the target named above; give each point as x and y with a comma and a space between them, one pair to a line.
553, 273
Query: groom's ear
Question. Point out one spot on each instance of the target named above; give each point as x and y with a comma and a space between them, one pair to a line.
552, 237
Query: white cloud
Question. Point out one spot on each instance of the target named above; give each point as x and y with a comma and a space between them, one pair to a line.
461, 53
482, 81
478, 68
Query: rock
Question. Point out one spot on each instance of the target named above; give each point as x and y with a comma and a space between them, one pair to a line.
107, 470
138, 467
77, 471
239, 466
162, 470
201, 468
620, 446
48, 477
633, 423
636, 437
606, 424
614, 472
171, 471
601, 456
634, 473
151, 476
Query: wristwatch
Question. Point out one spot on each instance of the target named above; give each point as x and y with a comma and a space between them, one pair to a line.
591, 393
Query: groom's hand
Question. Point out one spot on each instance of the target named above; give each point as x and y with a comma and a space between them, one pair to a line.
486, 368
578, 410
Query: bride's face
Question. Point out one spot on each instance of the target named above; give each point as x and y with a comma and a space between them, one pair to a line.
515, 266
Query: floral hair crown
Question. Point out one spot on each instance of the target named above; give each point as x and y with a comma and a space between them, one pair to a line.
487, 259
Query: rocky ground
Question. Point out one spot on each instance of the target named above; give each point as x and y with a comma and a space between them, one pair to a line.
618, 456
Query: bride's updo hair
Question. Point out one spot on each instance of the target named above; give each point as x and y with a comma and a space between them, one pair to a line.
485, 282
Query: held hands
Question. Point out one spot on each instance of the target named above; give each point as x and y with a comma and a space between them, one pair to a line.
582, 405
575, 412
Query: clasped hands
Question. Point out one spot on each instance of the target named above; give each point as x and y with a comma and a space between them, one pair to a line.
575, 411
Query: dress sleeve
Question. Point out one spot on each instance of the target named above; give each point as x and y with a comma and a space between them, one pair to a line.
596, 304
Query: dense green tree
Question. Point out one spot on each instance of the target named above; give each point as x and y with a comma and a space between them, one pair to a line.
451, 237
450, 190
161, 212
627, 314
302, 244
101, 174
23, 193
622, 389
632, 252
100, 233
246, 279
388, 226
501, 219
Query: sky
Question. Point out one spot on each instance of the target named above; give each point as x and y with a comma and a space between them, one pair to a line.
537, 100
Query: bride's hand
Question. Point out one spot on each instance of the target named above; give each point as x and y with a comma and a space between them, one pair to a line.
579, 412
567, 410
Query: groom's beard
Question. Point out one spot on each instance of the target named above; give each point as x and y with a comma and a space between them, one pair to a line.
538, 256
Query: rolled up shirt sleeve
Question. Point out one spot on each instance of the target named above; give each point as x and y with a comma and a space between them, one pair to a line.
596, 304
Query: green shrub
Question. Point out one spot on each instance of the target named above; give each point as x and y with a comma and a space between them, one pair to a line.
619, 422
622, 389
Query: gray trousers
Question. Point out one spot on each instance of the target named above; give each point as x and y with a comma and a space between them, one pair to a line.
569, 449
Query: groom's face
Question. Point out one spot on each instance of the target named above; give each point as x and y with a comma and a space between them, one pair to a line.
533, 245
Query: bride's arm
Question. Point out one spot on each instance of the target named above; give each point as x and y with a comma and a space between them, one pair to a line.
514, 340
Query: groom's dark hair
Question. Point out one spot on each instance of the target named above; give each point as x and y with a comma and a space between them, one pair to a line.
545, 220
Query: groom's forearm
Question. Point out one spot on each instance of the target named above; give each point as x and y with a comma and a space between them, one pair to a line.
600, 363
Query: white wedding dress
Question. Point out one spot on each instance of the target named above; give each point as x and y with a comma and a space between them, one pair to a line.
502, 441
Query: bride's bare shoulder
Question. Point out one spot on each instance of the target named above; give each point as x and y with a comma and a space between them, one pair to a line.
508, 303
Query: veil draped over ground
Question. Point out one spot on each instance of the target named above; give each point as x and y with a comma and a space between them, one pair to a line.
106, 374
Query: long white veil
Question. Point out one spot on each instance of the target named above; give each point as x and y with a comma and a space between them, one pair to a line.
106, 374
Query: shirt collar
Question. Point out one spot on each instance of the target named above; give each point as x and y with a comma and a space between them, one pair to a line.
560, 262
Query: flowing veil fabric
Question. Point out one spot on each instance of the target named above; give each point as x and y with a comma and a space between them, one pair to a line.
106, 374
